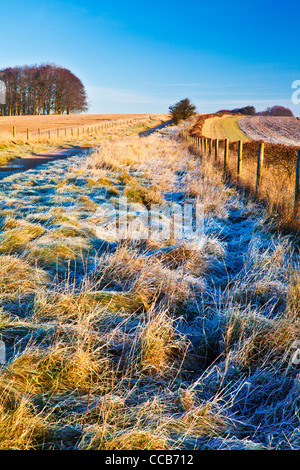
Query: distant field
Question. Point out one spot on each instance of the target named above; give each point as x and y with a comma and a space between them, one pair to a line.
12, 147
279, 130
224, 127
32, 123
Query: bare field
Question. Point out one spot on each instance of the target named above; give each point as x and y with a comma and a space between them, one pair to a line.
23, 146
33, 123
279, 130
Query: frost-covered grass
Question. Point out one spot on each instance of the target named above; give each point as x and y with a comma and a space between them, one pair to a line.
155, 344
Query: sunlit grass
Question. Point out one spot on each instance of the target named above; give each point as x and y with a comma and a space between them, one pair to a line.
152, 344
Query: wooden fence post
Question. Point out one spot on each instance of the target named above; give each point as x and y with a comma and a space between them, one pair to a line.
216, 149
14, 132
240, 158
297, 181
39, 132
226, 149
49, 134
210, 146
260, 162
27, 134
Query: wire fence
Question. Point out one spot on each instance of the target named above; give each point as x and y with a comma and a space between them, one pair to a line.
271, 172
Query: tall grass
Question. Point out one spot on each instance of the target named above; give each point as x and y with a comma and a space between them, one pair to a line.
152, 344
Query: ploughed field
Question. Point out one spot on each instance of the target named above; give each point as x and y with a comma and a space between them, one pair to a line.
274, 129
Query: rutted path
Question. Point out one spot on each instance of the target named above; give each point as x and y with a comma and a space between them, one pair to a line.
224, 127
27, 163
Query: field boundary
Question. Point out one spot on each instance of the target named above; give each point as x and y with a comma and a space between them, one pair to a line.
78, 130
267, 161
35, 142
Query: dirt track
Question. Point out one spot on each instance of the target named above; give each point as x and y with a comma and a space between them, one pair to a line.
28, 163
224, 127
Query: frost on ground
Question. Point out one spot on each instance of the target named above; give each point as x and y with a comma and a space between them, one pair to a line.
278, 130
143, 344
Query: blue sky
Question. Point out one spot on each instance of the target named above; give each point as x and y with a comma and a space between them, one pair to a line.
140, 57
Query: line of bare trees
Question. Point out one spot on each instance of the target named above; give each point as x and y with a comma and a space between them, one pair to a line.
42, 89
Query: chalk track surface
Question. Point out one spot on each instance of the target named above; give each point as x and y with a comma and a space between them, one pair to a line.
224, 127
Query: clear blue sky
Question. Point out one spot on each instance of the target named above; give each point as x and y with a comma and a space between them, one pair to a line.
140, 57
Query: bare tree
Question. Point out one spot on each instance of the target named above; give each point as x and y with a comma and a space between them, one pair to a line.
42, 89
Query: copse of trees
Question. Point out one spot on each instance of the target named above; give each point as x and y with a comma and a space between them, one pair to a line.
246, 110
42, 89
276, 111
250, 110
182, 110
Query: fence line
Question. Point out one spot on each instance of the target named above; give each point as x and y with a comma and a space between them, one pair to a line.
106, 125
297, 182
203, 143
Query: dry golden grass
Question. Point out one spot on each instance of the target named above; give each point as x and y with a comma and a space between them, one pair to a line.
18, 276
60, 369
20, 427
127, 440
158, 344
276, 190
